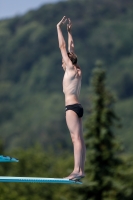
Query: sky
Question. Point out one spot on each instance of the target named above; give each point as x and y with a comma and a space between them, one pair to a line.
11, 8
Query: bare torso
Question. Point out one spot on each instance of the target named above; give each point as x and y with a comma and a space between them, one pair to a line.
72, 85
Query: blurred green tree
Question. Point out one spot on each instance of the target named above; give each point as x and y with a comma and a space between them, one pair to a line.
30, 66
102, 147
34, 162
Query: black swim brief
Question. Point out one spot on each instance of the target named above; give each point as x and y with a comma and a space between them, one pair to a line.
77, 108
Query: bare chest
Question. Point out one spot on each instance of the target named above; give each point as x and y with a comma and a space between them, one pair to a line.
71, 83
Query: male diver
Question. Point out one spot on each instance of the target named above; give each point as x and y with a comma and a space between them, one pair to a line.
71, 88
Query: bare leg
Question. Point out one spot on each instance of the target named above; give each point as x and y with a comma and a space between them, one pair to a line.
74, 124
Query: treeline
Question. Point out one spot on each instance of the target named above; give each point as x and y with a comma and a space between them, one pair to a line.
31, 99
108, 171
34, 162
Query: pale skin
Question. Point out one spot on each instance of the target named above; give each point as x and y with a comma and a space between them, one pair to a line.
71, 88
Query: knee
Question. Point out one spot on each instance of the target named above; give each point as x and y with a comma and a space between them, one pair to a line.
75, 138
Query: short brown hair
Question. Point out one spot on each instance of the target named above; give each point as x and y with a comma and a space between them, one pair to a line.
73, 57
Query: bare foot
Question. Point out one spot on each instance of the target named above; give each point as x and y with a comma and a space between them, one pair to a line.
75, 176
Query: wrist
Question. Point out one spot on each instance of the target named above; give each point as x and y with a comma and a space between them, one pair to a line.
58, 25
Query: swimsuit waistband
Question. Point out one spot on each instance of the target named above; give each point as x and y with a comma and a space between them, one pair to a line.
76, 104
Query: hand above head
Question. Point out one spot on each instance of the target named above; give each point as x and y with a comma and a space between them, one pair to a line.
69, 25
63, 21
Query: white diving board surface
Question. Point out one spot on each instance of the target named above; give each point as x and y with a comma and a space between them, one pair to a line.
11, 179
8, 159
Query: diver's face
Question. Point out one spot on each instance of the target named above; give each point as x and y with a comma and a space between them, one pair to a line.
63, 65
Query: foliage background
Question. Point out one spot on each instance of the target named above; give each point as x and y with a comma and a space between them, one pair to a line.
31, 99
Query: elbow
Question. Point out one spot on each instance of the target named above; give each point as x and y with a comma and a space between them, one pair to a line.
62, 46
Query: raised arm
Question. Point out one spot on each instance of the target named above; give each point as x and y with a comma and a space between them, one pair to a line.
62, 44
70, 38
59, 32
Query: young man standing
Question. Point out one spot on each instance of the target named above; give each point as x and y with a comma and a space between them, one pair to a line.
71, 88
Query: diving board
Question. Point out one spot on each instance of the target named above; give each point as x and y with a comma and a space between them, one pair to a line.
7, 159
11, 179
